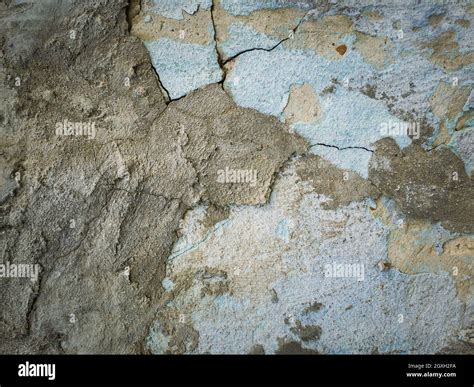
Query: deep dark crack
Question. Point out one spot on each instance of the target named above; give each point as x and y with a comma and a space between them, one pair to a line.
343, 148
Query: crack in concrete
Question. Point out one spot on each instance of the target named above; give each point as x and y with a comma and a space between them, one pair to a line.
214, 36
46, 273
339, 148
291, 32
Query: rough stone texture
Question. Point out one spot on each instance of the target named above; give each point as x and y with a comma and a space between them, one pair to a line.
234, 153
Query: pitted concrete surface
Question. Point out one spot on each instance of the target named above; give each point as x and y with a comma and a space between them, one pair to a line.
197, 176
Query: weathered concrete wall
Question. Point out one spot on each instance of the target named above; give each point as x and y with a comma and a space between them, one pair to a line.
197, 176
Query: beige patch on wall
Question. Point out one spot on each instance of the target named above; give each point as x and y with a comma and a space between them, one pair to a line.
375, 50
303, 105
464, 23
341, 186
448, 100
463, 120
373, 15
194, 28
273, 23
